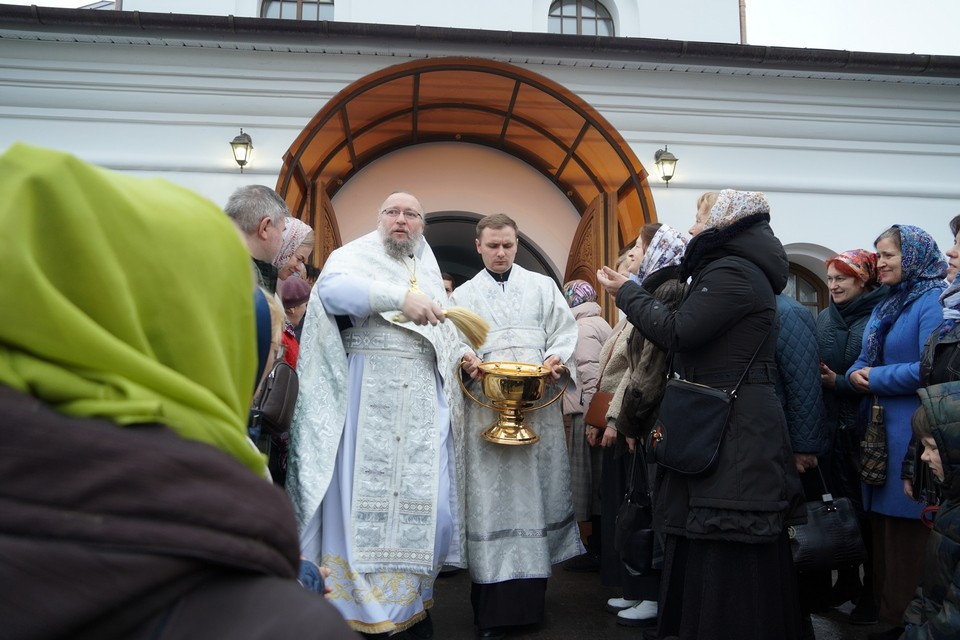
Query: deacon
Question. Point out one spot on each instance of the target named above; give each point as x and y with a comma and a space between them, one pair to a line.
520, 515
372, 469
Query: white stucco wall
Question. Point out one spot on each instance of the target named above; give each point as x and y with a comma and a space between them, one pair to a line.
839, 161
704, 20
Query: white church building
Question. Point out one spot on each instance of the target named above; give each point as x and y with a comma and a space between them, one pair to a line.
549, 111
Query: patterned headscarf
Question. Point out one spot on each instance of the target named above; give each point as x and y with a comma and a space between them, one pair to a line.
863, 263
665, 250
293, 236
733, 205
923, 268
104, 321
576, 292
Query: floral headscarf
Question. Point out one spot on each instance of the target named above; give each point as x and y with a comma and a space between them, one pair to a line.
665, 250
923, 268
732, 205
293, 236
863, 263
576, 292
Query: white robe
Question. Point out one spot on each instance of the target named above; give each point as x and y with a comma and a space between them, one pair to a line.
373, 470
520, 517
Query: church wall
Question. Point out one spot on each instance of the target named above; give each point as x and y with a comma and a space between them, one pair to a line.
704, 20
839, 161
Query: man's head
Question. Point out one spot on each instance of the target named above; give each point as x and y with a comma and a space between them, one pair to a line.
497, 242
260, 214
447, 283
400, 222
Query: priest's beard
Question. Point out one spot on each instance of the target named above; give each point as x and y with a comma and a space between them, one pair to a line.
400, 248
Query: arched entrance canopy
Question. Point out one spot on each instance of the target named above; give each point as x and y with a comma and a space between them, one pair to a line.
469, 100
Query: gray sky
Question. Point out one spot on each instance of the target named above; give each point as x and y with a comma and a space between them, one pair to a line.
894, 26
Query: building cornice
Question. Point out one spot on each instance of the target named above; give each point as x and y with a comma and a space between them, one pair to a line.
168, 29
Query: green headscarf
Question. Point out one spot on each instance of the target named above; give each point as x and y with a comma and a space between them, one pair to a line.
125, 299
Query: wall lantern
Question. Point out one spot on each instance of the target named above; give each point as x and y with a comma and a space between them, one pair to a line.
666, 164
242, 148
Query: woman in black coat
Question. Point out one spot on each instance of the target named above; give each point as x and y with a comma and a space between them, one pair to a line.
728, 572
852, 279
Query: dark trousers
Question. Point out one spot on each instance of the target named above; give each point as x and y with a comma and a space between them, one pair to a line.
510, 603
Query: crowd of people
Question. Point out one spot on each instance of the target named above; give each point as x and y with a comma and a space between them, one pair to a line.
135, 478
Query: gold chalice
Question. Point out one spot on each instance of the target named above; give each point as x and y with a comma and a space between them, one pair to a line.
512, 388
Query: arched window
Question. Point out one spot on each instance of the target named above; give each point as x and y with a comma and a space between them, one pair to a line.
806, 288
580, 17
297, 9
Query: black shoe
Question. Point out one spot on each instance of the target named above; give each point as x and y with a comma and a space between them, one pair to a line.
889, 634
493, 633
423, 630
842, 593
584, 563
865, 612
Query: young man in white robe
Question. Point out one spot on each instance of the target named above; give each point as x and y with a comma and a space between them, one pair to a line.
520, 518
373, 458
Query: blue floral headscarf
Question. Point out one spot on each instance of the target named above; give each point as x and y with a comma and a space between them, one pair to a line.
665, 250
923, 268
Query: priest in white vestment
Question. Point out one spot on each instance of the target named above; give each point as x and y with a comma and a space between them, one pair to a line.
373, 469
519, 511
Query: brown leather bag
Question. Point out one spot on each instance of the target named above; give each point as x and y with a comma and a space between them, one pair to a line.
597, 411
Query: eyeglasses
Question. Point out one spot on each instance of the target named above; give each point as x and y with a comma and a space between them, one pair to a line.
409, 214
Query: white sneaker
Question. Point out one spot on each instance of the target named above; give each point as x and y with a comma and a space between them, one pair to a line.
616, 605
638, 615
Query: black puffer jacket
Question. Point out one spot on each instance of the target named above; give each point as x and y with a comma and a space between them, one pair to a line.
730, 310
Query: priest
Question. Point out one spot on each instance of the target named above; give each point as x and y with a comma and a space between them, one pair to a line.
373, 462
520, 518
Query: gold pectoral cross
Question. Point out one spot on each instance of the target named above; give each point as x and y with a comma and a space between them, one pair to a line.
414, 287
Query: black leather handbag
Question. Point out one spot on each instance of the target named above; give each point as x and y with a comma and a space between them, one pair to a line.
693, 418
633, 536
831, 537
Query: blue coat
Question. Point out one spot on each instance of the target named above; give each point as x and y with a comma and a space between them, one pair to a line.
896, 382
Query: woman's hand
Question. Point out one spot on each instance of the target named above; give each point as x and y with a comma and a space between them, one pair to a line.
828, 376
860, 380
593, 435
610, 280
609, 437
805, 461
631, 444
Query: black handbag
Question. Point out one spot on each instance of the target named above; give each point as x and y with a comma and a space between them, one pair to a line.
691, 423
272, 410
831, 537
633, 536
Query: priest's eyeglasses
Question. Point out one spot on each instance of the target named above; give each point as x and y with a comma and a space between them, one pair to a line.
409, 214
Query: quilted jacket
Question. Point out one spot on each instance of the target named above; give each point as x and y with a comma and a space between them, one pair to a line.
798, 377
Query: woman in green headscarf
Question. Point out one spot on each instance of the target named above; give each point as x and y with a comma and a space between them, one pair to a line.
132, 499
